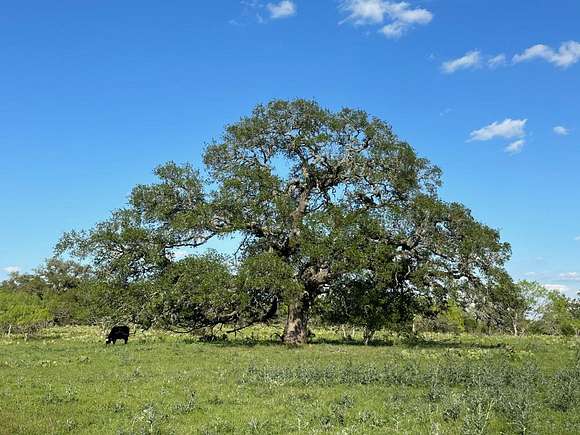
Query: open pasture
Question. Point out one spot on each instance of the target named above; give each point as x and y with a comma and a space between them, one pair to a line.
68, 381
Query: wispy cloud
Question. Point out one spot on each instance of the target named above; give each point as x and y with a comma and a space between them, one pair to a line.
531, 273
577, 238
558, 287
283, 9
515, 147
258, 11
570, 276
471, 59
11, 269
568, 54
402, 15
508, 129
561, 130
496, 61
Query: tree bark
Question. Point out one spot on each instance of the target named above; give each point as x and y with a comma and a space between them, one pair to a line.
296, 329
368, 335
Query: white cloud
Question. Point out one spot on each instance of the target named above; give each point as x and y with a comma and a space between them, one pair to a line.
11, 269
283, 9
563, 131
567, 55
558, 287
496, 61
570, 276
393, 30
471, 59
566, 290
363, 12
508, 128
577, 238
402, 15
515, 147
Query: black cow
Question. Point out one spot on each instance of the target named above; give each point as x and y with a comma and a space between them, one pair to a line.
118, 333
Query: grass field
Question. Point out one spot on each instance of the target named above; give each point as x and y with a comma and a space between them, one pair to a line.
67, 381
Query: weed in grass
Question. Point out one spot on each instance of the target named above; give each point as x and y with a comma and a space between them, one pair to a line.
369, 418
452, 408
53, 397
217, 426
256, 426
477, 416
436, 391
70, 425
304, 397
564, 389
118, 407
147, 422
188, 405
345, 401
216, 400
517, 406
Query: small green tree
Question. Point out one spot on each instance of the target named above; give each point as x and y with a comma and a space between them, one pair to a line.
560, 315
452, 318
64, 287
21, 312
515, 306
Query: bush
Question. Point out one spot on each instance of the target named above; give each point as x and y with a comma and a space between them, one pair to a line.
21, 312
76, 306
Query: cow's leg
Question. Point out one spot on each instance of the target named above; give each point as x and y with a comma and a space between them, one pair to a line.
126, 340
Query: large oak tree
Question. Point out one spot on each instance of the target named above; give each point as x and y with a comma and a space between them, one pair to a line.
322, 203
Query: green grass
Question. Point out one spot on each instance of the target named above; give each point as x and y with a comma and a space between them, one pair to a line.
67, 381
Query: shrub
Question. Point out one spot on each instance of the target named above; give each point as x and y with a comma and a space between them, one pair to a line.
21, 312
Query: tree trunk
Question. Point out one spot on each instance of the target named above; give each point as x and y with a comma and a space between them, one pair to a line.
368, 335
296, 329
515, 324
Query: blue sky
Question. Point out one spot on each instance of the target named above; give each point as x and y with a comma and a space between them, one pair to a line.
95, 94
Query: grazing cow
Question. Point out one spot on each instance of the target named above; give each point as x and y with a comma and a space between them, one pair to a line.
118, 333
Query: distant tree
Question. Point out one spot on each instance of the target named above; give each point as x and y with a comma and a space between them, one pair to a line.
560, 315
323, 203
63, 275
365, 304
30, 283
574, 308
514, 306
63, 287
21, 312
452, 318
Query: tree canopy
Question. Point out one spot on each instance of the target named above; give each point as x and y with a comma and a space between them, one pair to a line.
330, 209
